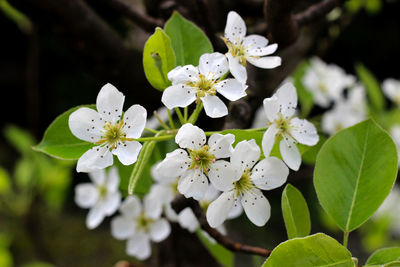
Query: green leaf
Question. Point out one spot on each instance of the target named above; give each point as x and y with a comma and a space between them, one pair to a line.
58, 140
372, 86
241, 135
295, 213
188, 41
384, 255
310, 251
5, 181
6, 259
221, 254
19, 139
310, 156
354, 172
158, 59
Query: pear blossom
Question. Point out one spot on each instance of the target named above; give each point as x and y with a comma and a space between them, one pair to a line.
346, 112
390, 209
242, 49
202, 83
101, 196
139, 224
391, 88
245, 188
108, 131
197, 162
326, 82
280, 110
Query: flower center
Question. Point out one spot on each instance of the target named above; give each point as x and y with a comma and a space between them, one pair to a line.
143, 222
322, 87
243, 184
283, 124
201, 159
102, 191
113, 134
203, 86
237, 50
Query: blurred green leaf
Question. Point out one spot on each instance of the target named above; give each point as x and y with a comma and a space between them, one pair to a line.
5, 181
373, 6
158, 59
58, 140
188, 41
310, 251
24, 173
19, 139
372, 86
305, 97
16, 16
347, 170
6, 259
295, 212
221, 254
310, 156
384, 256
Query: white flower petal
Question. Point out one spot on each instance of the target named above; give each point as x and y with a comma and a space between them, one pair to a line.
127, 152
86, 124
236, 211
211, 194
238, 70
265, 62
94, 159
271, 108
95, 216
171, 214
174, 165
109, 103
221, 145
86, 195
287, 99
111, 203
152, 207
122, 227
256, 207
254, 41
222, 175
269, 173
232, 89
246, 154
131, 207
193, 184
163, 193
98, 177
139, 246
134, 121
235, 28
219, 209
112, 180
214, 107
269, 138
159, 230
179, 95
184, 74
188, 220
290, 153
190, 136
213, 66
262, 51
304, 131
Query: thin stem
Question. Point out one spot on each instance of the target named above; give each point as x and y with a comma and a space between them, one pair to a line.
345, 238
162, 123
151, 130
185, 114
155, 138
181, 118
196, 113
171, 121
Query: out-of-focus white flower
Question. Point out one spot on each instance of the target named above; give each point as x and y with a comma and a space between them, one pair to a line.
153, 122
191, 84
280, 110
346, 112
101, 196
390, 208
326, 82
251, 176
105, 128
197, 161
391, 88
139, 225
242, 49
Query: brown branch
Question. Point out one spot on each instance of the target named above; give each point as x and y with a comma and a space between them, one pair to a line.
181, 202
144, 21
316, 11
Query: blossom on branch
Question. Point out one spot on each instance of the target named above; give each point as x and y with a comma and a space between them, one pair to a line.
108, 131
391, 88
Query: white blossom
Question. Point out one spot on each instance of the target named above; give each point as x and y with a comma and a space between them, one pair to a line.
197, 162
101, 196
244, 189
108, 131
280, 110
202, 83
390, 209
346, 112
242, 49
326, 82
139, 224
391, 88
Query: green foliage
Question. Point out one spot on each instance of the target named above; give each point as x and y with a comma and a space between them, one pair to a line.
310, 156
19, 139
6, 259
158, 59
305, 97
5, 182
16, 16
295, 213
371, 6
372, 86
221, 254
188, 41
241, 135
384, 256
310, 251
354, 172
58, 140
